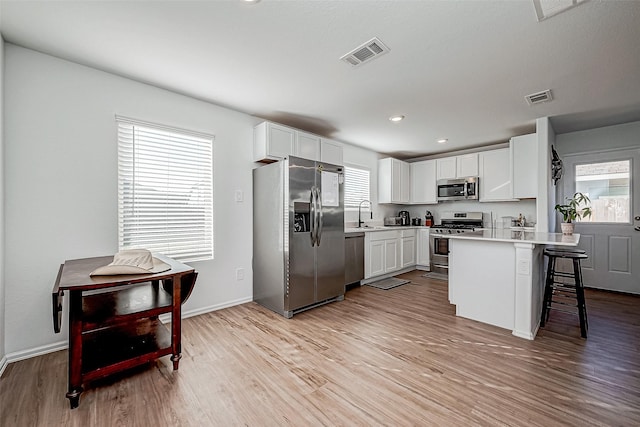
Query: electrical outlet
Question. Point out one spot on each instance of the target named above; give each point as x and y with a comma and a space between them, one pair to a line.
239, 273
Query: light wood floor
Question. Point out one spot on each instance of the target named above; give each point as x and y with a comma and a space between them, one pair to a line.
398, 357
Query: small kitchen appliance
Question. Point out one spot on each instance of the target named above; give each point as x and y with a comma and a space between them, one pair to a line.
405, 218
416, 221
428, 219
452, 223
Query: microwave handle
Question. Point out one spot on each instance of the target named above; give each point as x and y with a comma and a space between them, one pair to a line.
466, 189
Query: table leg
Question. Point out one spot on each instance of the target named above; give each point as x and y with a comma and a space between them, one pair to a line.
75, 348
176, 315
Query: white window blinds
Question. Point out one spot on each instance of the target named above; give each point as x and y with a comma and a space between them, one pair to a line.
165, 190
356, 187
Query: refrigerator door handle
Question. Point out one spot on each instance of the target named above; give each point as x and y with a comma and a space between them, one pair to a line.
320, 216
312, 216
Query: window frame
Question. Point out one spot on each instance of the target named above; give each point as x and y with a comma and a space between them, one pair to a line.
350, 207
165, 187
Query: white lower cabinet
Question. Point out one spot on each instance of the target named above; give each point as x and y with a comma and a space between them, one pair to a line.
422, 262
382, 250
388, 251
408, 248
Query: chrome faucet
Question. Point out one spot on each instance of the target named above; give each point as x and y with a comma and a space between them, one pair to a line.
360, 222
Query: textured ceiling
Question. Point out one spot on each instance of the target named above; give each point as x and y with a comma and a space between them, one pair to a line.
456, 69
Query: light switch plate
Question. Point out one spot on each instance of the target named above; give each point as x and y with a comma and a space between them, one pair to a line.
239, 196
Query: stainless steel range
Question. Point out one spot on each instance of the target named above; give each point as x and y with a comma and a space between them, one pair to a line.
451, 223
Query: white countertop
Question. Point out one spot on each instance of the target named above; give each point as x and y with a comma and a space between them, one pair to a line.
517, 236
382, 228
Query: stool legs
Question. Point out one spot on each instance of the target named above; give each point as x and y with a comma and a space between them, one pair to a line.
582, 306
548, 291
559, 289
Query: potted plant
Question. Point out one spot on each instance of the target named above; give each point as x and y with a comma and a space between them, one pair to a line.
572, 211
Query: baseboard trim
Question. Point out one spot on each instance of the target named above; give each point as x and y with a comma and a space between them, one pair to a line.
36, 351
63, 345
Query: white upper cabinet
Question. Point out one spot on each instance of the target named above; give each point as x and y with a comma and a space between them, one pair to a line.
446, 168
524, 155
457, 167
495, 175
272, 142
393, 181
331, 152
467, 165
423, 182
307, 146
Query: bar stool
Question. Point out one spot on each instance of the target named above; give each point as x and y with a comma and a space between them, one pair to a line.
560, 292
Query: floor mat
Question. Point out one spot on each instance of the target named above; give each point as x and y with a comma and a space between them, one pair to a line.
389, 283
436, 276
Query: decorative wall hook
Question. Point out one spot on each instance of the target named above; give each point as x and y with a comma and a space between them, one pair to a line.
556, 166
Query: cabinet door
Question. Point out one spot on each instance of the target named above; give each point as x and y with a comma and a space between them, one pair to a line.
408, 251
280, 141
495, 175
396, 181
423, 248
376, 259
331, 152
405, 182
524, 155
391, 255
423, 182
446, 168
307, 146
467, 165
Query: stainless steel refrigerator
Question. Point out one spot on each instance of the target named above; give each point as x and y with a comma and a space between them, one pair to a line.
298, 235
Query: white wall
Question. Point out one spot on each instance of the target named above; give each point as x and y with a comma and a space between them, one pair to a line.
606, 138
495, 210
547, 197
61, 185
2, 285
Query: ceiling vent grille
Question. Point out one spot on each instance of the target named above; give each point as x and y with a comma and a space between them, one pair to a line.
539, 97
365, 52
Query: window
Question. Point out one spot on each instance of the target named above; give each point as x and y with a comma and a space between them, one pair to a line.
356, 188
165, 190
607, 185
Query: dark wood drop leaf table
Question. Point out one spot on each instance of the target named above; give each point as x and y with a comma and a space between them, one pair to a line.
113, 320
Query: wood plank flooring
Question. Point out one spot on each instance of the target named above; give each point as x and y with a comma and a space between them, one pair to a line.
398, 357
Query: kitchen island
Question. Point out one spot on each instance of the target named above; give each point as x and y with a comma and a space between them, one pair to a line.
497, 276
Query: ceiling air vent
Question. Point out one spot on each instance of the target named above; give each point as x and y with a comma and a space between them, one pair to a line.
365, 52
537, 98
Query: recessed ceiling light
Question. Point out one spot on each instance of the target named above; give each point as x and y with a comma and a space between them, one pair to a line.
442, 141
396, 118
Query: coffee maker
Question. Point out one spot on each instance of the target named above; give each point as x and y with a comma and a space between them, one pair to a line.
405, 218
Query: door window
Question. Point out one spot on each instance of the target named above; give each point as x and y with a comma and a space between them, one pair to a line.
607, 184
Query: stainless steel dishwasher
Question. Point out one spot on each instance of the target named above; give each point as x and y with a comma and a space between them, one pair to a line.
354, 258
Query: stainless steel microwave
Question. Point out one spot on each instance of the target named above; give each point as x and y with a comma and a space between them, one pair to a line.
458, 189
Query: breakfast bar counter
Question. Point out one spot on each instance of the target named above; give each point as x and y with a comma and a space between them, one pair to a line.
497, 276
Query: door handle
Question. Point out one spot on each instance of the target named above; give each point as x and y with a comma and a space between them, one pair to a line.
312, 217
320, 217
637, 228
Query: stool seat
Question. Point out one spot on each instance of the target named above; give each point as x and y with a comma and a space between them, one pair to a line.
566, 254
560, 293
566, 249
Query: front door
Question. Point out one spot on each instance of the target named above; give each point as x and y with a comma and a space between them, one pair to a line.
611, 236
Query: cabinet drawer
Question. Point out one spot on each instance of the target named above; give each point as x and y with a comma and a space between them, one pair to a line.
384, 235
409, 233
